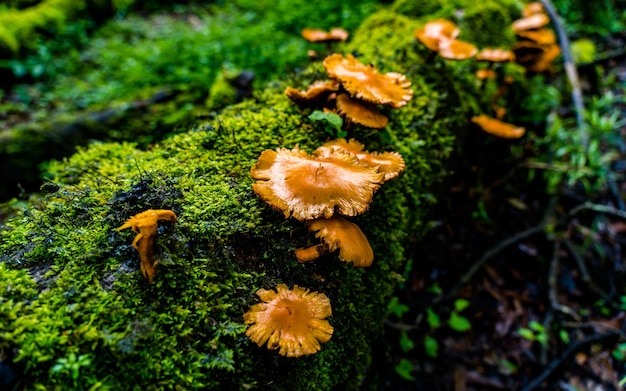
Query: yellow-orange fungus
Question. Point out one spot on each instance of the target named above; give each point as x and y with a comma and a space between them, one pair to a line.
307, 187
145, 224
366, 83
292, 321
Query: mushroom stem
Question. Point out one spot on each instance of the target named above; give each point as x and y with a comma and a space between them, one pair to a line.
307, 254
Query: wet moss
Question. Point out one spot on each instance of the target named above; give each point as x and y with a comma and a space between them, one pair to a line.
90, 320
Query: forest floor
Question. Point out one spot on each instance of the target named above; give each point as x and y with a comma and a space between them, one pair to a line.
516, 288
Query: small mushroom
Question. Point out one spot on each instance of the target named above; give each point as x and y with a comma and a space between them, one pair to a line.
366, 83
498, 128
318, 91
316, 35
440, 36
456, 50
145, 224
495, 55
307, 187
361, 113
531, 22
543, 36
292, 321
433, 32
338, 233
389, 163
532, 8
486, 73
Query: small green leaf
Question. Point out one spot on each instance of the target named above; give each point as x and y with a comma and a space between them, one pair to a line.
397, 308
406, 343
432, 318
538, 327
431, 346
527, 334
564, 336
460, 304
458, 322
317, 115
334, 120
404, 369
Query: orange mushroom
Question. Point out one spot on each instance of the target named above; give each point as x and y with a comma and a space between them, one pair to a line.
432, 33
495, 55
389, 163
440, 36
531, 22
456, 50
145, 224
316, 35
541, 36
366, 83
307, 187
317, 91
535, 57
532, 9
338, 233
487, 73
293, 321
360, 112
498, 128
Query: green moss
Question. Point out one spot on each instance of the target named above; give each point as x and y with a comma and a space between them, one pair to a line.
88, 319
488, 23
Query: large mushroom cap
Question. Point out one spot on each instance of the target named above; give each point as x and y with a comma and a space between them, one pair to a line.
498, 128
365, 82
391, 164
360, 112
317, 35
308, 187
292, 321
432, 33
339, 233
543, 36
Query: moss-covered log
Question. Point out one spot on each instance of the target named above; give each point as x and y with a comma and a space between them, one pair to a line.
76, 312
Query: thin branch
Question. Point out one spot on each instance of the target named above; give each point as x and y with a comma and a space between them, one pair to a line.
598, 208
553, 283
567, 354
570, 69
491, 253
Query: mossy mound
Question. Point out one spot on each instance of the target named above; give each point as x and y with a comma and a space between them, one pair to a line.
76, 313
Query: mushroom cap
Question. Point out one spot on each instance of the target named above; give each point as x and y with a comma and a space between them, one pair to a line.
360, 112
498, 128
535, 57
453, 49
531, 22
432, 33
292, 321
316, 35
495, 55
339, 233
533, 8
366, 83
307, 187
316, 91
486, 74
391, 164
544, 36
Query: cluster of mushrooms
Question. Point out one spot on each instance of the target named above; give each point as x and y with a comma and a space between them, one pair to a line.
354, 91
338, 179
536, 49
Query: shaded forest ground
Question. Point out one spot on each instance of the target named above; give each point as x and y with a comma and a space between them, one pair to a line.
518, 284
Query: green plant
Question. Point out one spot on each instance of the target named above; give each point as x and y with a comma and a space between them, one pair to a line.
71, 365
534, 332
331, 123
572, 155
